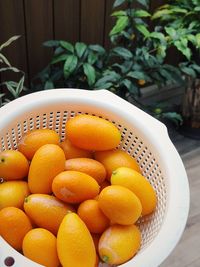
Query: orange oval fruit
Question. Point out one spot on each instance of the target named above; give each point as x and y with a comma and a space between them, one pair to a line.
13, 165
91, 214
88, 166
33, 140
74, 243
114, 159
72, 152
139, 185
120, 205
74, 187
36, 205
48, 161
14, 225
92, 133
119, 243
13, 193
39, 245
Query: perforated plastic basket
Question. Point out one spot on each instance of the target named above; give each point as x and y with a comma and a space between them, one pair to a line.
144, 138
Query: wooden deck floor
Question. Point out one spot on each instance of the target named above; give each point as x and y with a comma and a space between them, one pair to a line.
187, 252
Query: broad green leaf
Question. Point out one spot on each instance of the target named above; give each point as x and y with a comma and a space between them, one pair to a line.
120, 25
195, 67
197, 8
183, 49
118, 3
198, 40
192, 39
59, 58
123, 52
20, 86
49, 85
130, 86
161, 51
137, 75
160, 13
4, 60
189, 71
67, 46
157, 35
11, 89
51, 43
111, 76
7, 43
80, 49
119, 13
92, 58
145, 3
70, 65
179, 10
97, 48
141, 28
140, 13
90, 73
58, 50
171, 31
107, 85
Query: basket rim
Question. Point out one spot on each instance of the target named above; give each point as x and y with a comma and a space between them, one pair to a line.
178, 201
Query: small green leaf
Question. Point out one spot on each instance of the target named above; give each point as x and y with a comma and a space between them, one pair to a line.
183, 49
4, 60
9, 69
110, 76
195, 67
158, 35
140, 13
142, 29
7, 43
123, 52
192, 39
137, 75
80, 49
59, 58
174, 117
120, 25
90, 73
92, 58
197, 8
51, 43
107, 85
130, 86
171, 31
119, 13
67, 46
160, 13
189, 71
70, 65
118, 3
11, 89
97, 48
145, 3
49, 85
198, 40
20, 86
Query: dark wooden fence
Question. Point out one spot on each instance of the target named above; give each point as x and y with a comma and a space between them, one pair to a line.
41, 20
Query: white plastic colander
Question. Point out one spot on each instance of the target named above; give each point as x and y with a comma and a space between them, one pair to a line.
144, 138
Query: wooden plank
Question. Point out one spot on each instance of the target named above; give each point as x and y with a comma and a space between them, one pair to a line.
109, 22
67, 20
12, 23
92, 21
39, 27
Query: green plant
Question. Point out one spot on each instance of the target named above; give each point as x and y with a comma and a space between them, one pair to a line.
179, 21
75, 66
9, 90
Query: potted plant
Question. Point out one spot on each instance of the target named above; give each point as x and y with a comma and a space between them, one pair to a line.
179, 21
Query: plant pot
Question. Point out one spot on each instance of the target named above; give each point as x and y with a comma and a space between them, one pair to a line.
191, 109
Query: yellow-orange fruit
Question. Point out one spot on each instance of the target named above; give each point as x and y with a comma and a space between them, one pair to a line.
36, 205
139, 185
74, 187
74, 243
95, 220
13, 193
119, 243
114, 159
33, 140
92, 133
48, 161
72, 152
39, 245
14, 225
120, 205
13, 165
89, 166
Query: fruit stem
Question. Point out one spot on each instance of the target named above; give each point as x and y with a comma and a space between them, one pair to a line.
105, 259
26, 200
